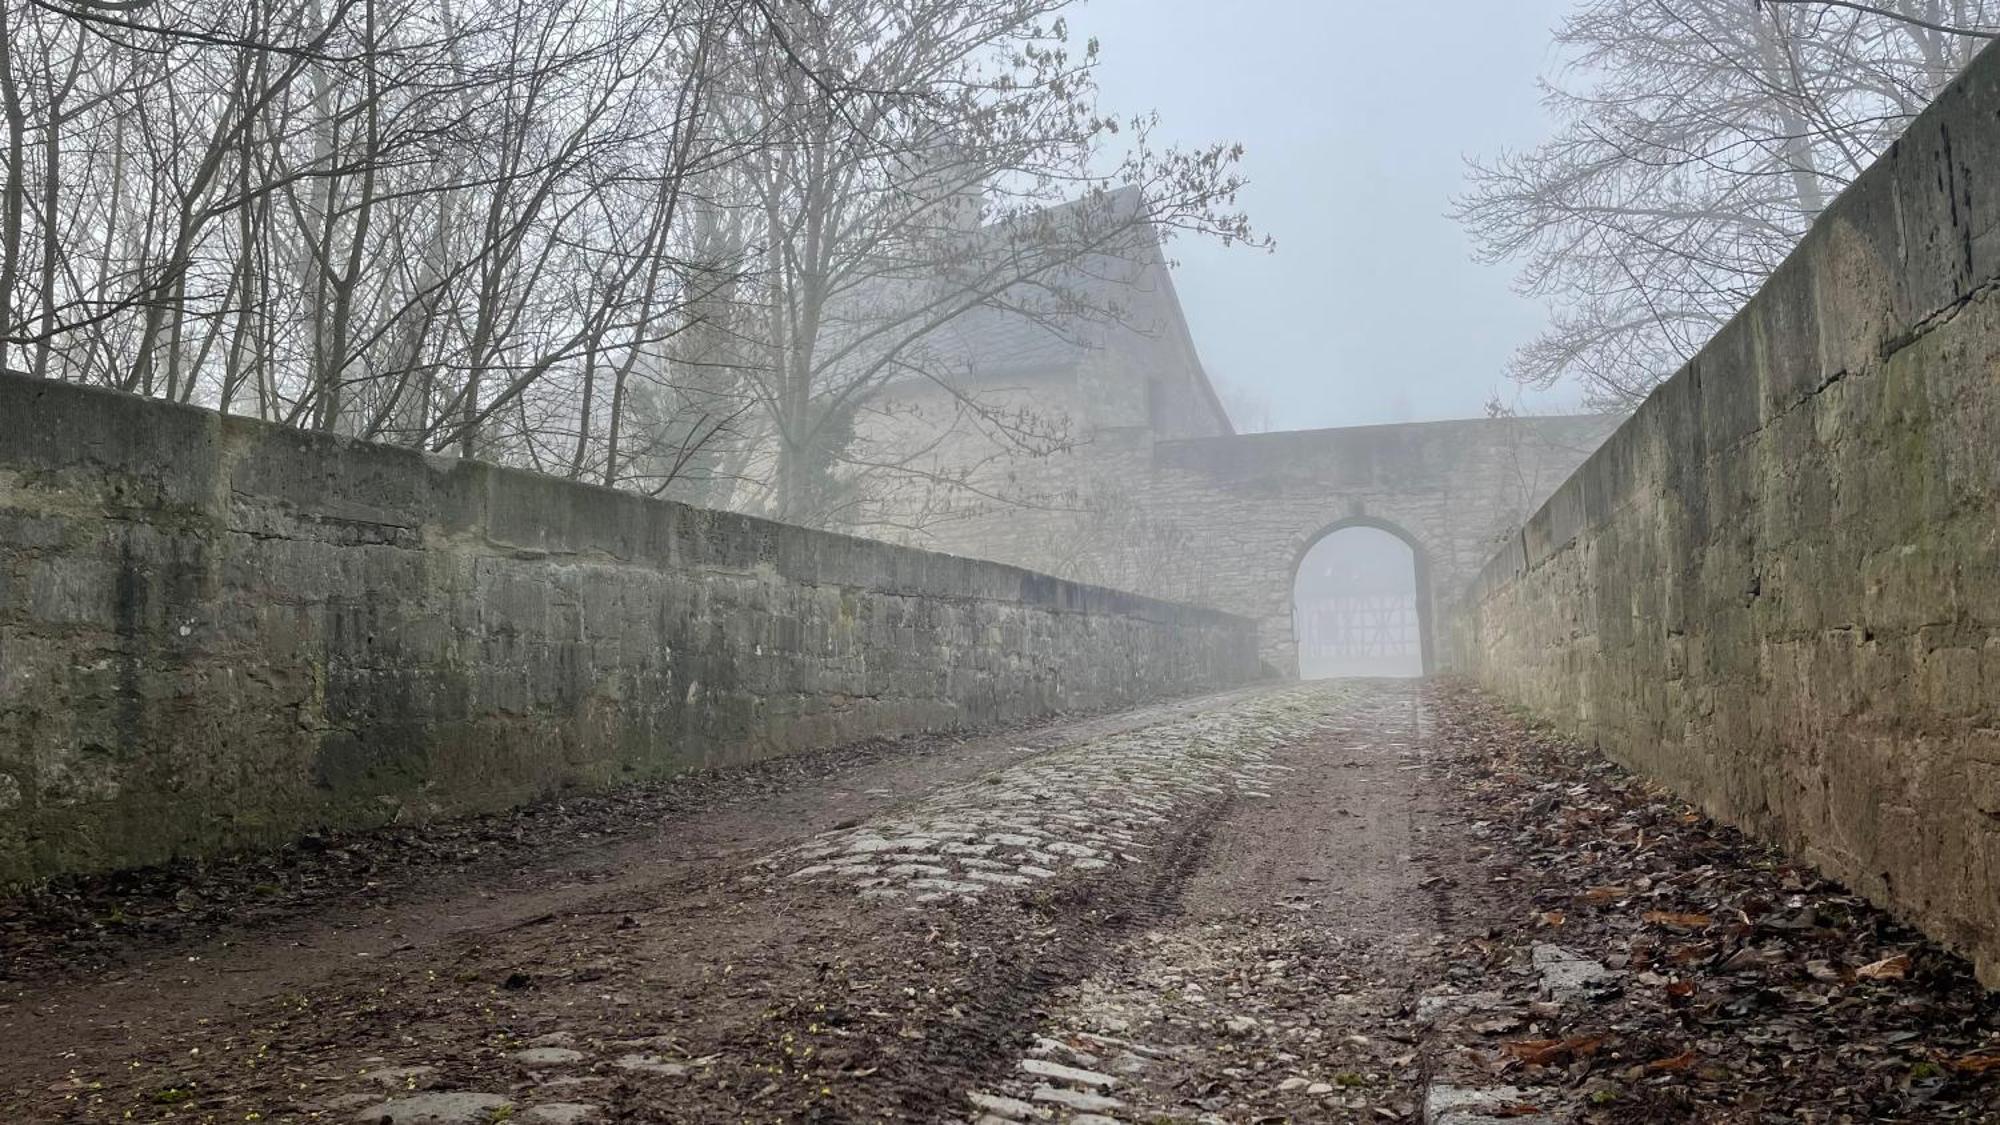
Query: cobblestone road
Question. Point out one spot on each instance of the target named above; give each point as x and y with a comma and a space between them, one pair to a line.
1276, 905
1072, 811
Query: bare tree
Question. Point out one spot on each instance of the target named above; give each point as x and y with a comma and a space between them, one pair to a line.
924, 160
1697, 141
628, 242
440, 224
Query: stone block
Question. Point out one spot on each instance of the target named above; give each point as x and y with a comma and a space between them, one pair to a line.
360, 634
1819, 661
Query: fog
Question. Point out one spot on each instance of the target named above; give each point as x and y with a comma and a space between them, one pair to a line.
1355, 606
1006, 561
1357, 118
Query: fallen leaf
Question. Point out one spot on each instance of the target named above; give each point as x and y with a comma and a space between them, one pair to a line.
1888, 968
1552, 918
1685, 954
1598, 896
1544, 1052
1679, 1062
1745, 961
1977, 1064
1679, 921
1536, 1052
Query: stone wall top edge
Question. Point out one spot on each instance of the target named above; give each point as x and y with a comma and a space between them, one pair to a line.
189, 447
1438, 427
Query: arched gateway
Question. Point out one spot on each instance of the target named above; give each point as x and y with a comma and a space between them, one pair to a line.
1361, 602
1254, 504
1159, 495
1230, 517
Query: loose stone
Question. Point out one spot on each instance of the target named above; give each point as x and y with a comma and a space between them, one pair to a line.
1013, 1109
547, 1056
1046, 1068
406, 1077
1075, 1099
435, 1109
650, 1064
562, 1113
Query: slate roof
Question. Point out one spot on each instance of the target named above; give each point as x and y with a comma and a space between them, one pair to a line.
992, 341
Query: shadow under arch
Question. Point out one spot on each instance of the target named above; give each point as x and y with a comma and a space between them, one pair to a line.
1419, 558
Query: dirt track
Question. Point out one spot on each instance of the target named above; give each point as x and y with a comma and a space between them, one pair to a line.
1302, 903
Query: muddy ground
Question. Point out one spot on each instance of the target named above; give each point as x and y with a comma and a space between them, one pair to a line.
1353, 901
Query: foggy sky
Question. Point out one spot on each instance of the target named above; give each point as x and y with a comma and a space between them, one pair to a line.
1356, 115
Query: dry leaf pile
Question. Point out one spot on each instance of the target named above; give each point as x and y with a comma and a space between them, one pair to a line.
1744, 987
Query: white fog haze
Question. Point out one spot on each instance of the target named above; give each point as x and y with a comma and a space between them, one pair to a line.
1371, 309
1000, 562
1355, 604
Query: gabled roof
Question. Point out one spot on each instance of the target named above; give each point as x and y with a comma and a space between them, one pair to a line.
999, 341
989, 341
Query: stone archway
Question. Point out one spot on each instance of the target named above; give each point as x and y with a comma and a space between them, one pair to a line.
1244, 509
1420, 564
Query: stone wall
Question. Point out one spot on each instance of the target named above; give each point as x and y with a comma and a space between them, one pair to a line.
1777, 587
217, 633
1225, 521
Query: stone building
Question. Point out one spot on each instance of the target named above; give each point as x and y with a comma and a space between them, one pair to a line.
1154, 491
1007, 406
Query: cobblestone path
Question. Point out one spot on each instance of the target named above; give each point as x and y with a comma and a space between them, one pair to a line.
1274, 905
1074, 811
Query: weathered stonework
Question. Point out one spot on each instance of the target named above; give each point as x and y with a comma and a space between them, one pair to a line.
217, 633
1242, 510
1777, 588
